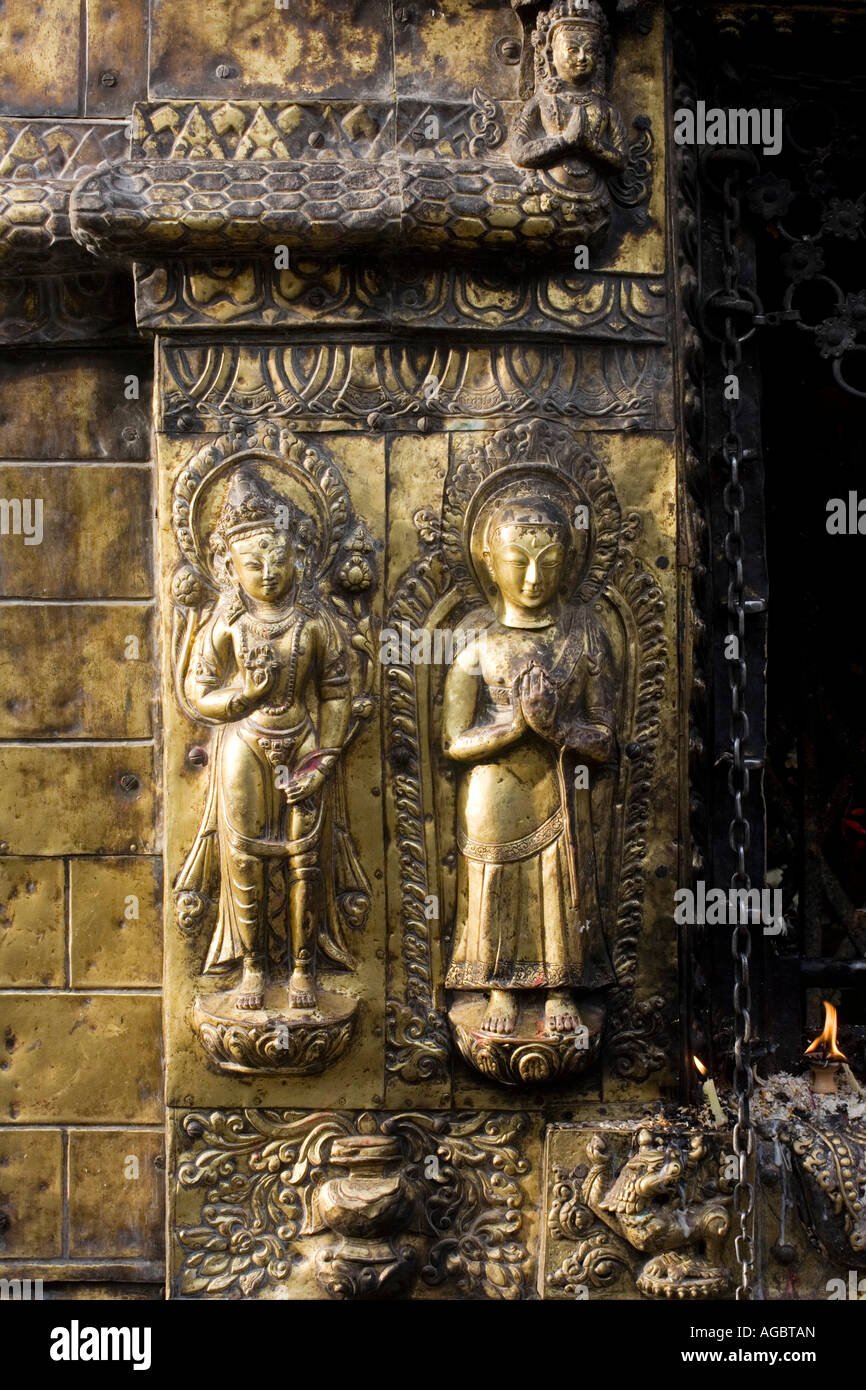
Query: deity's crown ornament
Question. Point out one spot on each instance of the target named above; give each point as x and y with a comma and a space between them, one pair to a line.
572, 12
250, 504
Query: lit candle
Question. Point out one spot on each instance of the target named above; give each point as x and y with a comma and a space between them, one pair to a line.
824, 1055
711, 1095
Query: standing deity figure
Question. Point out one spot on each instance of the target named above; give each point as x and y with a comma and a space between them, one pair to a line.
569, 130
269, 668
529, 715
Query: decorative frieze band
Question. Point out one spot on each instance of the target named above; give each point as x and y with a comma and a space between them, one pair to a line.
410, 385
399, 293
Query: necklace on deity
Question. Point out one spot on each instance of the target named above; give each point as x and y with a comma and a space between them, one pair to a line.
270, 627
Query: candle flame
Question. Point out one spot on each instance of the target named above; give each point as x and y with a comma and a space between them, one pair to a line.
700, 1066
825, 1043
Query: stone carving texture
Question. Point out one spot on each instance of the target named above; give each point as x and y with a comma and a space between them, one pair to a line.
437, 1198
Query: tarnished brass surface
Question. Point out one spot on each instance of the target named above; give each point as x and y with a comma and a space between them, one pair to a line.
83, 404
41, 58
104, 1167
115, 922
59, 799
32, 1165
107, 694
341, 51
34, 937
91, 1078
117, 56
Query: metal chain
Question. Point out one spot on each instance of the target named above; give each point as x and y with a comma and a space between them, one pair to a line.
735, 299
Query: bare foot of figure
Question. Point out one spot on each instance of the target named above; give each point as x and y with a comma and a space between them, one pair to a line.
501, 1013
302, 991
251, 991
560, 1012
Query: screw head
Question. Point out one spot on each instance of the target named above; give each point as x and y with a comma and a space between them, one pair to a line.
197, 756
223, 70
108, 79
129, 782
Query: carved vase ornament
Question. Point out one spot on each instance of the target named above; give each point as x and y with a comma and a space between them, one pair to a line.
276, 658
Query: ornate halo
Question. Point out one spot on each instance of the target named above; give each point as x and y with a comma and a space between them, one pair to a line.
279, 473
512, 484
538, 458
296, 471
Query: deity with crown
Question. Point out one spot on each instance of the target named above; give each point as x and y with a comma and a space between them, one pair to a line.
269, 668
568, 130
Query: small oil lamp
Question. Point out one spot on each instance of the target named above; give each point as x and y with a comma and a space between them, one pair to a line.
824, 1056
711, 1095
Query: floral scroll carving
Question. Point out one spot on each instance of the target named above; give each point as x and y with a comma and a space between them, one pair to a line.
441, 1199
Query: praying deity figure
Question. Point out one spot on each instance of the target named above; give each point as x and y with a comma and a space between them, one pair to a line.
568, 130
269, 668
529, 717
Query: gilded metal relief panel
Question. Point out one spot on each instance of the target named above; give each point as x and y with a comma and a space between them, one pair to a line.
407, 384
275, 944
579, 871
282, 1204
567, 167
419, 608
638, 1207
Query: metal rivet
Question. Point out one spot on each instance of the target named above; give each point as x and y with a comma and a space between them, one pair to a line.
129, 782
129, 434
508, 50
223, 70
197, 756
108, 79
783, 1252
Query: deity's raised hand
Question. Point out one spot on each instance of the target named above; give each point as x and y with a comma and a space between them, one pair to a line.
260, 673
